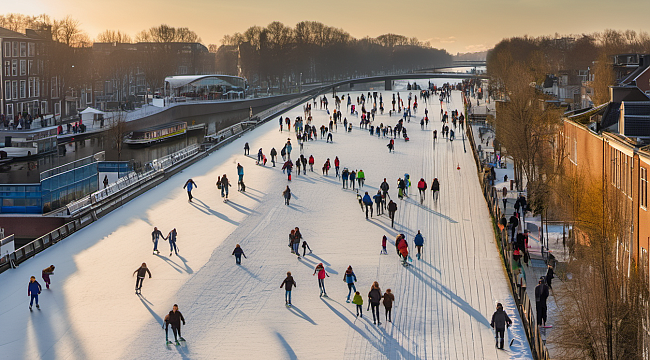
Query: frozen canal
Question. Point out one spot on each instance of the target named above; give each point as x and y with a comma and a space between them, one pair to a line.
443, 303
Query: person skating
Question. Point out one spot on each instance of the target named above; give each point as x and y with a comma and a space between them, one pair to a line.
549, 274
350, 278
172, 242
514, 223
225, 183
392, 208
384, 191
33, 290
274, 155
298, 166
389, 298
353, 176
422, 187
288, 166
345, 174
367, 201
305, 246
378, 200
391, 145
260, 156
155, 236
401, 188
288, 284
247, 149
189, 185
238, 252
240, 173
499, 322
361, 177
337, 163
402, 249
358, 301
46, 273
384, 239
295, 245
374, 297
311, 163
541, 294
174, 319
435, 189
419, 242
141, 271
287, 195
320, 269
303, 159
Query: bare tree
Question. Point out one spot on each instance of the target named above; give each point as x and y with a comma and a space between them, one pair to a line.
113, 36
117, 131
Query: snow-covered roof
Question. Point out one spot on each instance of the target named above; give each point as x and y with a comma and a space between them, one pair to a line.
182, 80
90, 110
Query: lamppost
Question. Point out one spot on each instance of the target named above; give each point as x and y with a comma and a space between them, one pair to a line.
300, 83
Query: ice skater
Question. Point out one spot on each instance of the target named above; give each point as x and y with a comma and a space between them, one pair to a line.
287, 195
422, 187
500, 321
305, 246
172, 242
174, 319
419, 242
288, 284
350, 278
320, 269
240, 173
225, 183
389, 298
155, 236
141, 271
46, 273
374, 297
383, 245
358, 301
238, 252
189, 185
33, 290
392, 208
435, 189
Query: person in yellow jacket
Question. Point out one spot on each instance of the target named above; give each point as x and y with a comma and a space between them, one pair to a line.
358, 300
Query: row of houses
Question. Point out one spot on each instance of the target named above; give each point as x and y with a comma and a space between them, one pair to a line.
39, 79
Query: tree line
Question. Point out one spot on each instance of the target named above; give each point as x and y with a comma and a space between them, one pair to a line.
277, 53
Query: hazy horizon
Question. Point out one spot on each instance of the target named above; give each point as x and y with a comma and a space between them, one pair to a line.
445, 28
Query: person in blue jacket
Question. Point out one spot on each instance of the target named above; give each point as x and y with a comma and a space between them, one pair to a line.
350, 279
189, 185
240, 173
419, 242
344, 177
367, 201
33, 289
378, 201
353, 176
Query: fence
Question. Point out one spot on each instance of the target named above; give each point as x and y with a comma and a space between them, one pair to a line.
524, 304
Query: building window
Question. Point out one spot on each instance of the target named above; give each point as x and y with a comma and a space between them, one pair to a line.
7, 68
7, 49
30, 70
23, 89
43, 107
14, 89
14, 67
7, 90
15, 49
23, 49
30, 87
37, 88
54, 91
10, 111
31, 50
573, 156
23, 67
643, 191
57, 108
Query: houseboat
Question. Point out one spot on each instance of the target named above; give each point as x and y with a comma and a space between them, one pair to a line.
156, 134
26, 143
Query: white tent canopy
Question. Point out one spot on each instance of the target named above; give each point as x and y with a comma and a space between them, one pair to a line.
89, 113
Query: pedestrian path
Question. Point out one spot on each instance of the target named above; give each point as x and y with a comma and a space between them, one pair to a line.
443, 302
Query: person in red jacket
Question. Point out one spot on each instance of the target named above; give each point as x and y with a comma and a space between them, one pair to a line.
311, 163
320, 269
337, 163
422, 186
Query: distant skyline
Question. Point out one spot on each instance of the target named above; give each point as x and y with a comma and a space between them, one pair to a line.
462, 26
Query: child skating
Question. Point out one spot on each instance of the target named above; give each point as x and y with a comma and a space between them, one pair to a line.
47, 272
320, 269
33, 290
358, 301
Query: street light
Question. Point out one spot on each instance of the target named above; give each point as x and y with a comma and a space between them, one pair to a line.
300, 89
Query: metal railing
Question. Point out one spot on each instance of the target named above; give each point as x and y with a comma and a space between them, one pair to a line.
524, 304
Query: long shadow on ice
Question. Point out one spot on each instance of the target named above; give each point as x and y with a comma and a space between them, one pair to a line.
294, 309
242, 209
450, 295
171, 263
290, 353
425, 208
208, 211
188, 269
378, 342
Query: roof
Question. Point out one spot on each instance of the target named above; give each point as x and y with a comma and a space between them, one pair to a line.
6, 33
636, 120
182, 80
90, 110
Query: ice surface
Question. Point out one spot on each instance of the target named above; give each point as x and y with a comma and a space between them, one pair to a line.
443, 303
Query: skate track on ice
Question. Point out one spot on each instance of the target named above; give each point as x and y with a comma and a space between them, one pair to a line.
443, 303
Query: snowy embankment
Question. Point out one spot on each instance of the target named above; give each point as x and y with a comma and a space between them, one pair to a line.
443, 303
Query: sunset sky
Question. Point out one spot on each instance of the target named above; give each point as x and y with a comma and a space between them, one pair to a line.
458, 26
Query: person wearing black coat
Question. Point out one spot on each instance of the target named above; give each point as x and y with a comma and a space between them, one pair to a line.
499, 322
174, 319
392, 208
274, 154
541, 294
288, 284
141, 271
514, 222
374, 297
435, 189
238, 252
